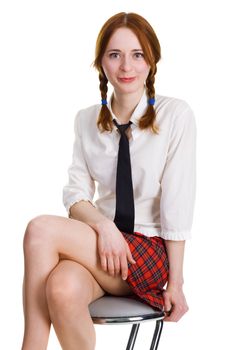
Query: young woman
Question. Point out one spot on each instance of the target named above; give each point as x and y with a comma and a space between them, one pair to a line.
70, 262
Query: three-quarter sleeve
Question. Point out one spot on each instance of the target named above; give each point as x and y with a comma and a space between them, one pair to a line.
179, 179
81, 185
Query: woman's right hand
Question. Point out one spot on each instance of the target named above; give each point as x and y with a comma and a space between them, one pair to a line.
113, 249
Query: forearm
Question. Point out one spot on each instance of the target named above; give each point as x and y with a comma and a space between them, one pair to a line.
84, 211
175, 251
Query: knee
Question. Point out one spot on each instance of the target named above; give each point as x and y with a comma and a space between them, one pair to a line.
63, 293
35, 232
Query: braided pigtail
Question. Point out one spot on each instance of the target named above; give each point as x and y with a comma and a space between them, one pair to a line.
148, 120
104, 122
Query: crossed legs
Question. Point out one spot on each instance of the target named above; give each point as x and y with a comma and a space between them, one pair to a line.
62, 276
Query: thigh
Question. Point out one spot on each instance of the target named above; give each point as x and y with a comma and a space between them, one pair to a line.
77, 241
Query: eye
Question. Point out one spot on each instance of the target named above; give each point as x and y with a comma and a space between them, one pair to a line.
139, 55
114, 55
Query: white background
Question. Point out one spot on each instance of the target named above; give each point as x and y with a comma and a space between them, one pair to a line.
47, 48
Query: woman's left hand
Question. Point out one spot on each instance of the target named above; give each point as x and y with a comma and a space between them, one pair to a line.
175, 302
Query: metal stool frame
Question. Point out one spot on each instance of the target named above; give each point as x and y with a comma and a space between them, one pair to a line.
135, 320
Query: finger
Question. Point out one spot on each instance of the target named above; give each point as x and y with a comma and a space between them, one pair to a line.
129, 255
167, 303
117, 265
124, 267
110, 263
103, 262
168, 315
175, 315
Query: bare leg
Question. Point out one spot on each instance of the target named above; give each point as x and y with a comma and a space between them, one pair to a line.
47, 239
70, 289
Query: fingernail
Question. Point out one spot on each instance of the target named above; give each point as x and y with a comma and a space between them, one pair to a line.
168, 313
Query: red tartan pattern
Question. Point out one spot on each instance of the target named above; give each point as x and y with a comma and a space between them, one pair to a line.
150, 273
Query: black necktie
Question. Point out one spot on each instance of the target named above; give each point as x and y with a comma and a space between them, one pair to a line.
124, 216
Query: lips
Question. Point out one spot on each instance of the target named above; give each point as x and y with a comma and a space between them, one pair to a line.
126, 79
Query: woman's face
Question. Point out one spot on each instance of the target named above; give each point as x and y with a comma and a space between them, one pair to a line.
123, 62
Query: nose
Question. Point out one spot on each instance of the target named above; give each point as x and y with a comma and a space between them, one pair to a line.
125, 64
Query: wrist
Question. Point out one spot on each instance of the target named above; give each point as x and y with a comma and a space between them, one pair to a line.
103, 224
175, 284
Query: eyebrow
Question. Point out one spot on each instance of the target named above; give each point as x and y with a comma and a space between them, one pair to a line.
117, 50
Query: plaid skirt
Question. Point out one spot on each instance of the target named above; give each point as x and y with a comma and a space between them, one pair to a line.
148, 276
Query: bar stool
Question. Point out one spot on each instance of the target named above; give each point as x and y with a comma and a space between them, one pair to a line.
112, 310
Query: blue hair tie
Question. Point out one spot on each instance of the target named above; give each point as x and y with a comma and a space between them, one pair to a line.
104, 102
151, 101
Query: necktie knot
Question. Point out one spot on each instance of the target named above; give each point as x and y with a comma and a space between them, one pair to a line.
122, 127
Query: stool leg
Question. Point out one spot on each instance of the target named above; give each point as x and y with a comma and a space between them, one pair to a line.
133, 336
157, 334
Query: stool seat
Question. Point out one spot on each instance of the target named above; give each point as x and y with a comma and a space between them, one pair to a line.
113, 309
123, 310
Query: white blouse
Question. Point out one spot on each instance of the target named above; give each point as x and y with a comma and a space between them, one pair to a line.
163, 167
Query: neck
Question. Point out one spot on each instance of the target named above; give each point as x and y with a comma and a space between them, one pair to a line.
123, 105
